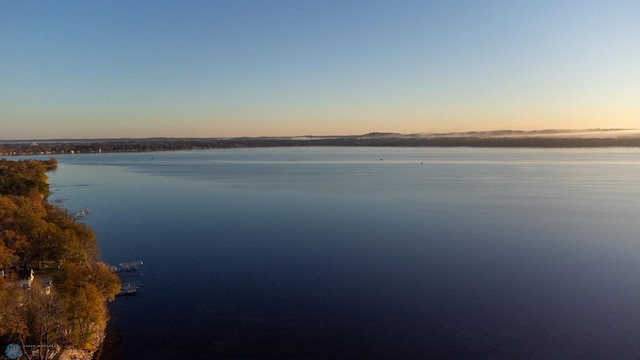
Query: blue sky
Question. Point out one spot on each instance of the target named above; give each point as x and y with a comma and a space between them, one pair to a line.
95, 69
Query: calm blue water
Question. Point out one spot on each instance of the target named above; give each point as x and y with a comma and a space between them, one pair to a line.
336, 253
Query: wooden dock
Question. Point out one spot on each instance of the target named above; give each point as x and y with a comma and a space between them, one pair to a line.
126, 271
127, 266
128, 289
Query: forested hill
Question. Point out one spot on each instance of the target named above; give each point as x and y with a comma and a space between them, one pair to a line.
64, 304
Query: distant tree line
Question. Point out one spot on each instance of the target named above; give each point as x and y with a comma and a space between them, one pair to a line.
40, 236
395, 140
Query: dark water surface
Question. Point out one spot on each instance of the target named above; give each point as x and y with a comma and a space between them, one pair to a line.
356, 253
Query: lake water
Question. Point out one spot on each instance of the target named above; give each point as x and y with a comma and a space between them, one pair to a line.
369, 253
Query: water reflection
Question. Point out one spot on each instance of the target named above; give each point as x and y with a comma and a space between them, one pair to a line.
332, 253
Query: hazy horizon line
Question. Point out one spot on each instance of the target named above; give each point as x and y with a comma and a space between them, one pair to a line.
469, 133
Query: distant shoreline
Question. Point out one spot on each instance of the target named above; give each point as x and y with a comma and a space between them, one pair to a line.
594, 138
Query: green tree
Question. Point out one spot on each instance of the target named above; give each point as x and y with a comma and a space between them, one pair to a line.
24, 178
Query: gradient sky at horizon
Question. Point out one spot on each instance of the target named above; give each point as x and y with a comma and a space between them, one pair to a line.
99, 69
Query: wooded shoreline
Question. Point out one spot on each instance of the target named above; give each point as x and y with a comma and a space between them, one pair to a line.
53, 286
53, 147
